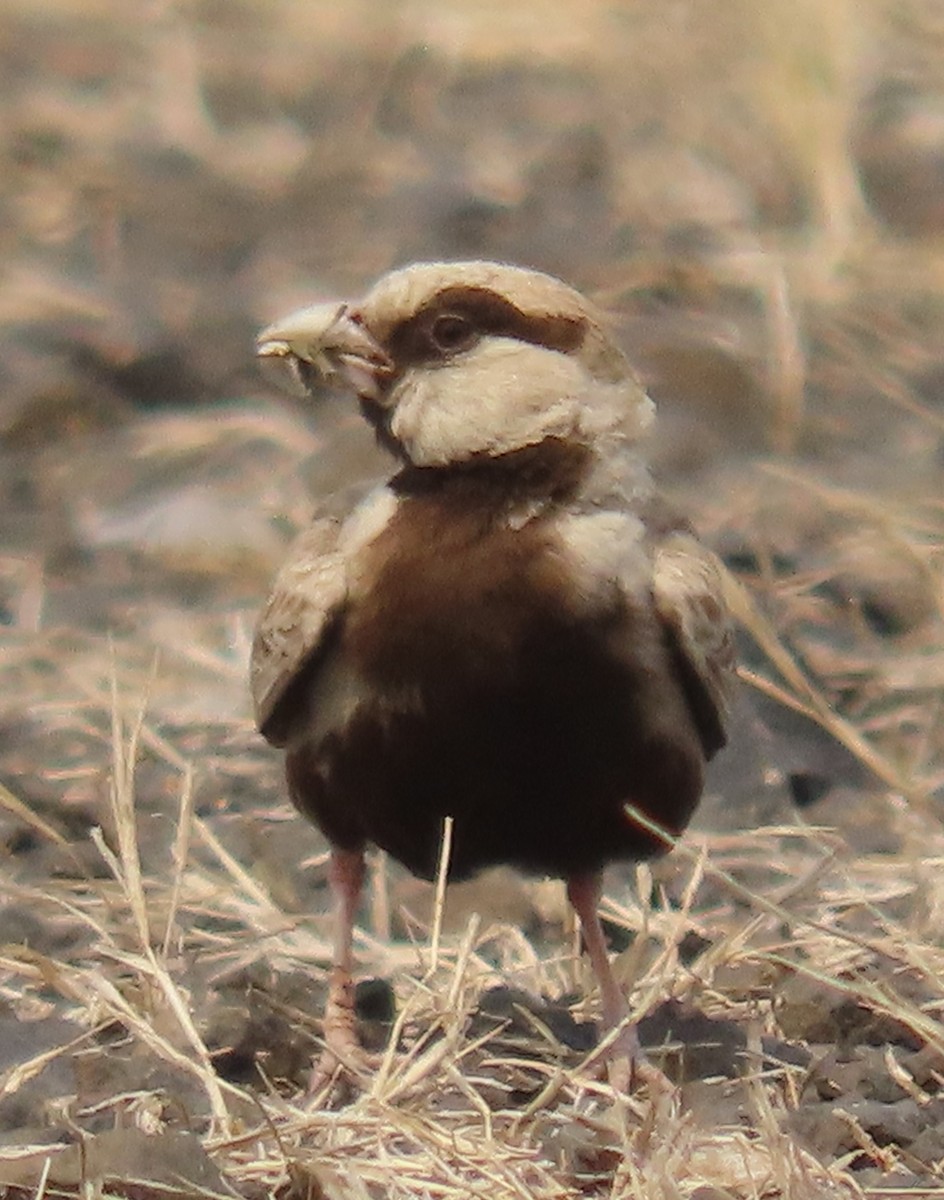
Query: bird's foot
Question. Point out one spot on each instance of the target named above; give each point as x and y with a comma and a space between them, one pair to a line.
343, 1059
620, 1059
346, 1069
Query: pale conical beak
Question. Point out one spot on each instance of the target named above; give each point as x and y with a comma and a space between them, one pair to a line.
324, 342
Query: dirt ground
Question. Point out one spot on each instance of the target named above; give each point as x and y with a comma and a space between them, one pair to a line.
755, 192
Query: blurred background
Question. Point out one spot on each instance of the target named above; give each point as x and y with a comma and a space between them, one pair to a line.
755, 193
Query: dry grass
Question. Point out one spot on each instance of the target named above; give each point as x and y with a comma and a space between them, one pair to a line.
425, 1125
440, 1116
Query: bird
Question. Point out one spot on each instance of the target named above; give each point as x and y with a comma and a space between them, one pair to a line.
513, 632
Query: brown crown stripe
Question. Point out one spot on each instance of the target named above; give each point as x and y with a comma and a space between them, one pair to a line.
410, 342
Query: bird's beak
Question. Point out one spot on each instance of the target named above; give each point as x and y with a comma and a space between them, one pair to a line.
325, 342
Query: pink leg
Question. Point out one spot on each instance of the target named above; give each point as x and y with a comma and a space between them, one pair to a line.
346, 878
625, 1058
584, 892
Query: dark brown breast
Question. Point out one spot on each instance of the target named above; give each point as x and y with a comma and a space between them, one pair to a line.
532, 726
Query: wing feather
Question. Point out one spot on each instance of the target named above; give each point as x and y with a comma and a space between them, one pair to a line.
688, 594
307, 596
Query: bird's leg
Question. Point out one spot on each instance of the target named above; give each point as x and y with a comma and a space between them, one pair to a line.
346, 880
624, 1057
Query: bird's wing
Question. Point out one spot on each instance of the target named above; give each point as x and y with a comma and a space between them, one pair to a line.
688, 594
307, 597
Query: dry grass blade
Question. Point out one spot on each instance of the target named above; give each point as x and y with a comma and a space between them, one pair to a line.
124, 762
92, 985
126, 867
16, 808
268, 915
12, 1080
753, 898
442, 875
180, 853
807, 699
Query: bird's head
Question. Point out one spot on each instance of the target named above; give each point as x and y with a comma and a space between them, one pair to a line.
455, 361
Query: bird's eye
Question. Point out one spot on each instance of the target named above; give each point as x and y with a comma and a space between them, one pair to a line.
451, 332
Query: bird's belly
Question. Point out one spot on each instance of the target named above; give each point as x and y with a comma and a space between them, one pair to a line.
532, 743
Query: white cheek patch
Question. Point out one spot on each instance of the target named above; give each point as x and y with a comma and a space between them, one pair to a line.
501, 396
618, 409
